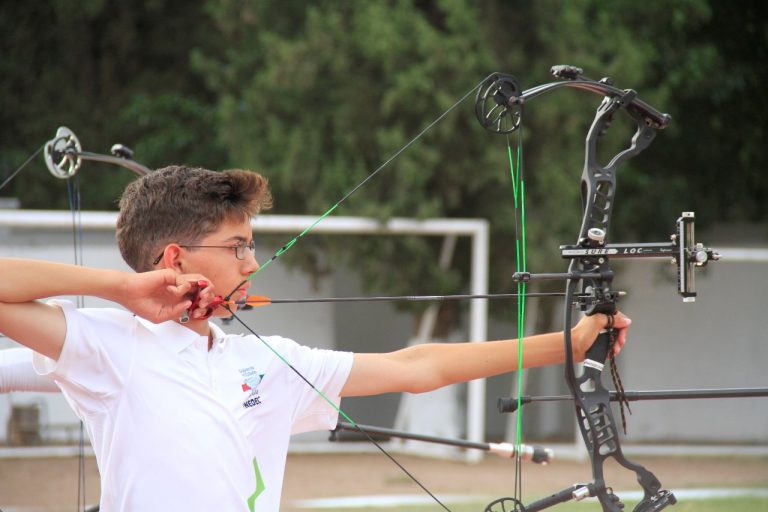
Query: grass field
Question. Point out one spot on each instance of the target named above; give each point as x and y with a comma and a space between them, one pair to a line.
50, 484
712, 505
686, 504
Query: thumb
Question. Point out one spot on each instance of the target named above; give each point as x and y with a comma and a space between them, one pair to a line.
179, 308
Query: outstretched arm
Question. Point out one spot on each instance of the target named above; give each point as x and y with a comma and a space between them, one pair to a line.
157, 296
426, 367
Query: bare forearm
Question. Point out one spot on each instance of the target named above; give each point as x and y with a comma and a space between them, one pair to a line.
461, 362
426, 367
158, 296
27, 280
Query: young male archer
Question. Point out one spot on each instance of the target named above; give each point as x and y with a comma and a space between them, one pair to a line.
181, 415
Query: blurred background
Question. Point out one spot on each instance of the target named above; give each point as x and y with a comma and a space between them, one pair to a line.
316, 95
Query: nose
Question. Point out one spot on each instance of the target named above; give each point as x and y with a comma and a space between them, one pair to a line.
250, 265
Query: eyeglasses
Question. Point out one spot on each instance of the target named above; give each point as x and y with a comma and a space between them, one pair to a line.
238, 248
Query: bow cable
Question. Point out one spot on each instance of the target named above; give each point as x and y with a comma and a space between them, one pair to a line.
20, 168
339, 410
518, 190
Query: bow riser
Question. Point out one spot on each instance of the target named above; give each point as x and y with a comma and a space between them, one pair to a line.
592, 400
601, 435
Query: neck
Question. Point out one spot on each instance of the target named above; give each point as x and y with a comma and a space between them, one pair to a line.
202, 328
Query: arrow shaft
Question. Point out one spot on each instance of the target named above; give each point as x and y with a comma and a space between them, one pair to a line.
262, 301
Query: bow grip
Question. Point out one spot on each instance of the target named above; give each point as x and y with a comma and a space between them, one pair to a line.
598, 352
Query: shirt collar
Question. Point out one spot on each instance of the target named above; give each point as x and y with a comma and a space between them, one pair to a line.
177, 336
217, 333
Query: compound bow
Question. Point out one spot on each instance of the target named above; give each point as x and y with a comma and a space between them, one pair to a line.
498, 108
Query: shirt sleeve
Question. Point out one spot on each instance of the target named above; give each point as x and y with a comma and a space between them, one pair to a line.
327, 371
18, 374
95, 358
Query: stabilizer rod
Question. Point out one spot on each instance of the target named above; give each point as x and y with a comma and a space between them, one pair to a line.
534, 453
506, 405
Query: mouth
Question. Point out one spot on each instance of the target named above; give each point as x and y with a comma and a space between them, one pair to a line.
242, 293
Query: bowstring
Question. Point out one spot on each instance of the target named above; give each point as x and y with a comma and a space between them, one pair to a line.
75, 207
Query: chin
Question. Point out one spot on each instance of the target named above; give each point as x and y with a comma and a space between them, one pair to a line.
222, 313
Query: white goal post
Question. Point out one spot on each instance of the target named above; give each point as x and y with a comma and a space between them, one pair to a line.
476, 229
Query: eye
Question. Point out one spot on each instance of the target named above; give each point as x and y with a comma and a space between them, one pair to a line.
241, 247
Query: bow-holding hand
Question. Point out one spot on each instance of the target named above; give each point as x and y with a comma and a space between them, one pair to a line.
586, 331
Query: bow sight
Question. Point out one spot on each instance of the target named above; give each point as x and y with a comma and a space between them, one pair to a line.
682, 250
498, 107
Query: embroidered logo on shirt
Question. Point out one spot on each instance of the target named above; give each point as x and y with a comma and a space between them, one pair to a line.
251, 381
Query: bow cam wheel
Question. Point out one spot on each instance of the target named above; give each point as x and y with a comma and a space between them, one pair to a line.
61, 154
505, 505
497, 105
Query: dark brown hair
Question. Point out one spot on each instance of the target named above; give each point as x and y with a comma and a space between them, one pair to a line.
182, 205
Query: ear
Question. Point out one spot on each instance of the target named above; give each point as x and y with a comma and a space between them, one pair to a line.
173, 258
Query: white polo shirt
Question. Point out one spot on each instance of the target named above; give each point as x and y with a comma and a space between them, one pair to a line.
178, 427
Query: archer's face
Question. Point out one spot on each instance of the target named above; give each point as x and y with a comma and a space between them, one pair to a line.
218, 258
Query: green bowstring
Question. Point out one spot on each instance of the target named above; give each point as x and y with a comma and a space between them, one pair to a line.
518, 190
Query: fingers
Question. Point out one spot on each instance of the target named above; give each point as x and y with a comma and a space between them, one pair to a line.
621, 339
204, 300
182, 284
621, 324
179, 309
620, 320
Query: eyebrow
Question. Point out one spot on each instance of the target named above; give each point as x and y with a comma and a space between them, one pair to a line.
236, 238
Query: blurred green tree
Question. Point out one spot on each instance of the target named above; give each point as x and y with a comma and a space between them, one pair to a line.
317, 95
113, 71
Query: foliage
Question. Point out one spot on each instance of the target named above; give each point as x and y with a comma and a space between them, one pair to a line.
112, 72
321, 102
317, 95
